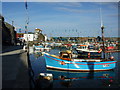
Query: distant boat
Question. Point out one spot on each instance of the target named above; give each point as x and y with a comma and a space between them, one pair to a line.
41, 48
87, 51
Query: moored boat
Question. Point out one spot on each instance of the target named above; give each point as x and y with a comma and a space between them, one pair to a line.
84, 51
41, 48
68, 63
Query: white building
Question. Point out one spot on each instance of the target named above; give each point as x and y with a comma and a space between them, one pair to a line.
30, 37
37, 32
34, 37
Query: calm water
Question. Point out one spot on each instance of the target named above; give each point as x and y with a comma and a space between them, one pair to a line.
104, 79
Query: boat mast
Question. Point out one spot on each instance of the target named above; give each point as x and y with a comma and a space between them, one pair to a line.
103, 39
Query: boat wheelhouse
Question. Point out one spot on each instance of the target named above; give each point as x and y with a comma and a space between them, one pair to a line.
87, 51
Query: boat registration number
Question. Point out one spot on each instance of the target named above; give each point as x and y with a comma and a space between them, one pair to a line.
106, 65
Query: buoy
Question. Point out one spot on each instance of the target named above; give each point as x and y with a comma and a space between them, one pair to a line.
111, 57
88, 55
100, 50
62, 63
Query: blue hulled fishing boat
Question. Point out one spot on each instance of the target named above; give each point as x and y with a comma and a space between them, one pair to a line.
64, 62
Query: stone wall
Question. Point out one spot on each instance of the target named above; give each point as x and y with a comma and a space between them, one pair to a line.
8, 33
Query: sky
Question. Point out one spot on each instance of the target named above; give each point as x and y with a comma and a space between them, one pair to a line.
65, 19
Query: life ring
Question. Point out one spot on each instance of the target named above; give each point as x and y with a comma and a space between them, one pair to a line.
62, 63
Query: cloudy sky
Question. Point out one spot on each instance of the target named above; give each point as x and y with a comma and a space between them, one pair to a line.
64, 18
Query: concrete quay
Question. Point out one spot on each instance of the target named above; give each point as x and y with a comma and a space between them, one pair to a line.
14, 68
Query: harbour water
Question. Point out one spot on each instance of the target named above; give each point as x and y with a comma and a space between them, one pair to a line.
103, 79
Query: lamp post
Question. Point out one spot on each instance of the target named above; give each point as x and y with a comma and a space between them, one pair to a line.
27, 40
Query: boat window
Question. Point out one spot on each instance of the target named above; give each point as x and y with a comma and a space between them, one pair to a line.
64, 55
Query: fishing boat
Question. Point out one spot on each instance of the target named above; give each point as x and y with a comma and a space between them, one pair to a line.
41, 48
88, 51
66, 62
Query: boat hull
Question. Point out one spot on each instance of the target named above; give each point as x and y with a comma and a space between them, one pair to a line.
64, 65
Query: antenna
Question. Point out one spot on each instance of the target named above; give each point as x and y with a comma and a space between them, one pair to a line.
102, 29
101, 17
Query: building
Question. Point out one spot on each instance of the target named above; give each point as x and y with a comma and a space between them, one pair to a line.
29, 37
38, 36
19, 35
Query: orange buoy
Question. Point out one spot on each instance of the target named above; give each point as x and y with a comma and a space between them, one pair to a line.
88, 55
62, 63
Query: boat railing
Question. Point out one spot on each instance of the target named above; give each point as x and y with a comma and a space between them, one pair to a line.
87, 60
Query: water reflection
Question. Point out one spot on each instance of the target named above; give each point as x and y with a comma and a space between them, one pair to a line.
66, 79
37, 54
82, 75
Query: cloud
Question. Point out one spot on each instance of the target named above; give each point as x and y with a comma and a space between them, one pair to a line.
71, 4
114, 15
111, 5
75, 10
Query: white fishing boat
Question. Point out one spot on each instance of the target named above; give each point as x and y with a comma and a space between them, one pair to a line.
41, 48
